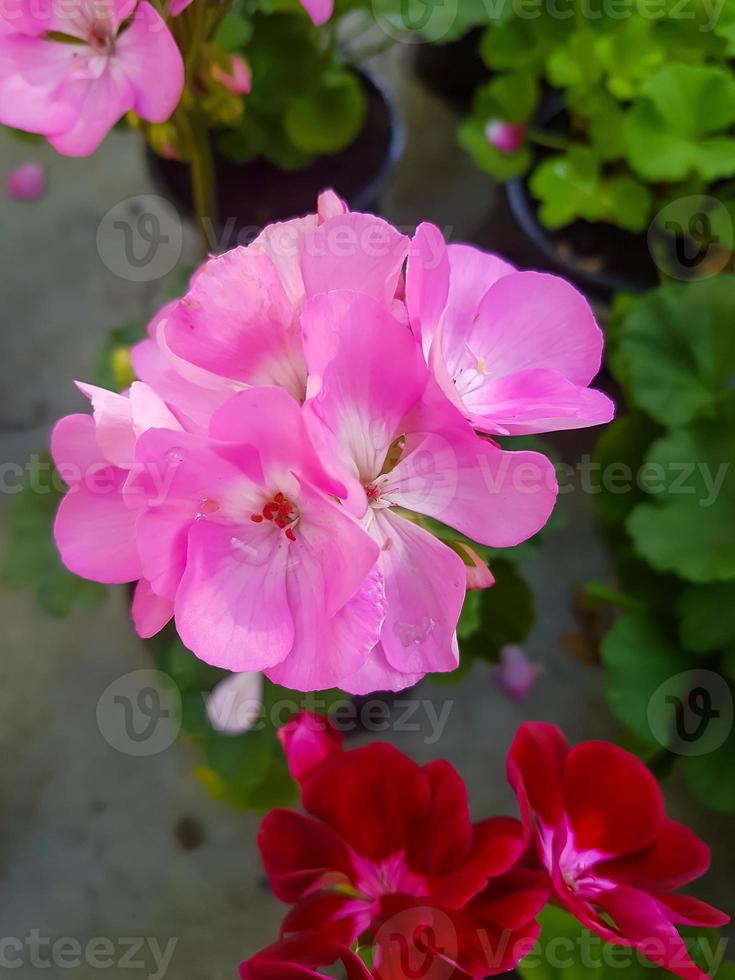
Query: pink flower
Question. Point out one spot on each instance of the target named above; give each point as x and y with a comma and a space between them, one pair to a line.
402, 450
74, 92
241, 531
504, 136
515, 674
240, 321
272, 478
238, 79
319, 10
613, 856
26, 183
514, 351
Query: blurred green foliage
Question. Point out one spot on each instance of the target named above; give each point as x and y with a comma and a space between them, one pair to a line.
306, 100
673, 532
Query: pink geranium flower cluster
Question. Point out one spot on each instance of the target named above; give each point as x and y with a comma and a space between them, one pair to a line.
70, 69
387, 860
299, 413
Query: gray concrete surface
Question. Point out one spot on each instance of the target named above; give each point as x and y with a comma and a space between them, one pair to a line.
90, 838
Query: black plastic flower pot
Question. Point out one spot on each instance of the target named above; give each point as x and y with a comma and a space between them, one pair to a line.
253, 194
600, 258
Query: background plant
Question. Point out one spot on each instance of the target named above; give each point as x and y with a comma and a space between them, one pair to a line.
641, 114
673, 353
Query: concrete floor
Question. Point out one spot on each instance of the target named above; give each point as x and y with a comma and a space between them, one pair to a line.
92, 843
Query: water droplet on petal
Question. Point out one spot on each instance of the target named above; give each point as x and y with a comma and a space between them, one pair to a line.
206, 506
414, 633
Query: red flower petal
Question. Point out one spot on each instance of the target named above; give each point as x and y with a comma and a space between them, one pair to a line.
513, 900
676, 857
308, 739
294, 958
298, 850
329, 914
375, 797
497, 845
688, 911
612, 800
448, 839
535, 768
642, 922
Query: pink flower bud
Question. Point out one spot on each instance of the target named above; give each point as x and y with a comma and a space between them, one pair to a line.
238, 79
26, 183
515, 673
504, 136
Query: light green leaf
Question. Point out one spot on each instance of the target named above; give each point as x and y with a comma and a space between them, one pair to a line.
329, 119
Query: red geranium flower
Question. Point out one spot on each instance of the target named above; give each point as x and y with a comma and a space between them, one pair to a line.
388, 855
613, 856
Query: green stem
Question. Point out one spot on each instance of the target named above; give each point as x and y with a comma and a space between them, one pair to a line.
550, 140
198, 150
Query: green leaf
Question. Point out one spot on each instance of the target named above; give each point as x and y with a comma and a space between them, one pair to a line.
638, 656
233, 32
568, 187
678, 349
690, 530
619, 455
707, 616
572, 185
31, 560
328, 119
668, 130
711, 777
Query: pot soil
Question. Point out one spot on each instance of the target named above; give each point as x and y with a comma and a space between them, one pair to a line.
253, 194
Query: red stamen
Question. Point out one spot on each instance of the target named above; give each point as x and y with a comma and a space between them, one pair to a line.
256, 518
290, 535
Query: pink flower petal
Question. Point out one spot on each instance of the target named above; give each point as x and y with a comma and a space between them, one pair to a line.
26, 182
152, 62
232, 607
424, 589
237, 322
319, 10
150, 612
94, 530
354, 251
516, 674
